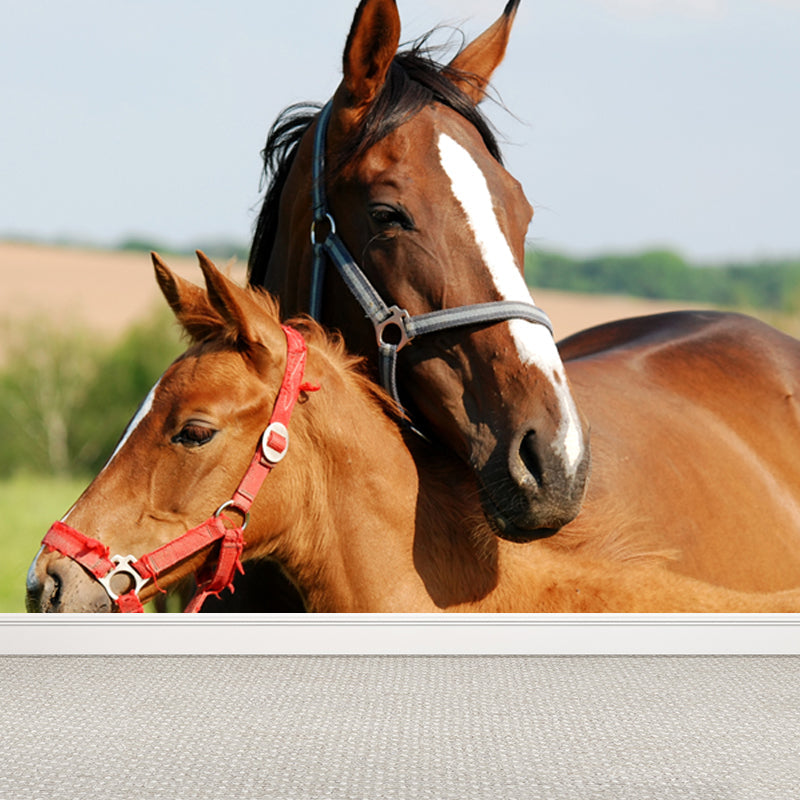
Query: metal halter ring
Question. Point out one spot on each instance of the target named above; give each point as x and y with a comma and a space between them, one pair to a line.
331, 224
232, 504
124, 564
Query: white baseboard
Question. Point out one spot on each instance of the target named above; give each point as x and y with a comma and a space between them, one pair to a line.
400, 634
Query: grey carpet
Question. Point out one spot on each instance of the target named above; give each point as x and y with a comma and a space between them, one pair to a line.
375, 727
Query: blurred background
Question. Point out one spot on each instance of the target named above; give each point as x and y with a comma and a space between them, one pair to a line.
656, 139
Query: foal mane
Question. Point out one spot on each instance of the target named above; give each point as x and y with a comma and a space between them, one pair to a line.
332, 345
202, 323
414, 81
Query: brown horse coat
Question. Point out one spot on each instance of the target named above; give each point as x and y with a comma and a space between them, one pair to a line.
695, 438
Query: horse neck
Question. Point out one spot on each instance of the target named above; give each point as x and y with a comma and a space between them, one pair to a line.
281, 260
354, 485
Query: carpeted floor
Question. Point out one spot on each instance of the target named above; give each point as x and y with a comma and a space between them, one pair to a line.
375, 727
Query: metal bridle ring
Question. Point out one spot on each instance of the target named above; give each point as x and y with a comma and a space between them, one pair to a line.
331, 224
396, 322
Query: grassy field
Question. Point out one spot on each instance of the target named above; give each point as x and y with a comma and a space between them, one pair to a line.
28, 506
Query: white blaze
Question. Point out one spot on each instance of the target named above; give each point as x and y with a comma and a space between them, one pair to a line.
144, 410
534, 343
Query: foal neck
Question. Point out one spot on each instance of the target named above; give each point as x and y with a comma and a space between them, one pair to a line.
380, 529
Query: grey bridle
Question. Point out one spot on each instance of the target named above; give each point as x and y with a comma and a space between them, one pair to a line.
394, 326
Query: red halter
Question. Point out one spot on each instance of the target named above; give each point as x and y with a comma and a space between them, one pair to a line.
93, 555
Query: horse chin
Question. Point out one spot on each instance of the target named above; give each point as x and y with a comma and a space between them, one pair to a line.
513, 530
513, 533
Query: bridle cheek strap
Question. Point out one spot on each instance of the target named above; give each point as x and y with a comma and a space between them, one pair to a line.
95, 557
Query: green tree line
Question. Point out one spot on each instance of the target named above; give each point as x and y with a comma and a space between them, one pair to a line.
664, 275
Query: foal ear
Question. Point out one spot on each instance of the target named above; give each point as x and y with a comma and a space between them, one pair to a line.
231, 302
184, 298
474, 65
371, 45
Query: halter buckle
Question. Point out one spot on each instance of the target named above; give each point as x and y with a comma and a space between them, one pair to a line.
275, 442
395, 322
124, 564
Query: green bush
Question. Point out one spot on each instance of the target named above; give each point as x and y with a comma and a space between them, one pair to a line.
65, 397
123, 377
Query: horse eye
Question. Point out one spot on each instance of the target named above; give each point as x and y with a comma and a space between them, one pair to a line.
385, 216
194, 435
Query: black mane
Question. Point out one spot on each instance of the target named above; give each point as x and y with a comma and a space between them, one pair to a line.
414, 81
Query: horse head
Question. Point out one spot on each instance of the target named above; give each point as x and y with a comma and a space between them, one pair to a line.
417, 191
183, 457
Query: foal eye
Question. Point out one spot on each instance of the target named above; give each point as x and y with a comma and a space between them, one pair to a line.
194, 435
385, 216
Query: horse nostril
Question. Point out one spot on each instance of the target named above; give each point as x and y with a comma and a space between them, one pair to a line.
530, 458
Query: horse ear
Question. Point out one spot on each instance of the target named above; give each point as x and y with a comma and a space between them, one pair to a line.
474, 65
371, 45
185, 299
231, 302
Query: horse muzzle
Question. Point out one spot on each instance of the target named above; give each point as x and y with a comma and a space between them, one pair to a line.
58, 585
529, 490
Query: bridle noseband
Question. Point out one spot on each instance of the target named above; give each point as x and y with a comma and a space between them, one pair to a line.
95, 557
394, 326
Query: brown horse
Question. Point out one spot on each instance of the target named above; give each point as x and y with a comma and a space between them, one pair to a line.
409, 180
356, 521
694, 419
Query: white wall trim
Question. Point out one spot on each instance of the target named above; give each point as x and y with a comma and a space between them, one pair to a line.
400, 634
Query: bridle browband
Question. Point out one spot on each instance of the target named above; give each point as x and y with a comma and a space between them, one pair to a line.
95, 557
391, 321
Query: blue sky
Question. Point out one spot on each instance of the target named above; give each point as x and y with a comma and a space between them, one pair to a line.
632, 124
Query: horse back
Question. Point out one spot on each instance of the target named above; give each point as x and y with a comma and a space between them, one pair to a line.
705, 353
695, 433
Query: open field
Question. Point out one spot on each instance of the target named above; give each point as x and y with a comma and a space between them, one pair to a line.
105, 291
109, 290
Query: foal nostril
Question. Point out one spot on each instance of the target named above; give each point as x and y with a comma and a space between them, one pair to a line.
54, 584
532, 477
42, 595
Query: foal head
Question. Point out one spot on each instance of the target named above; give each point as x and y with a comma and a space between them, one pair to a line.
187, 449
421, 199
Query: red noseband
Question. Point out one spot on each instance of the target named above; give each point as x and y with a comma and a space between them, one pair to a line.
95, 557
